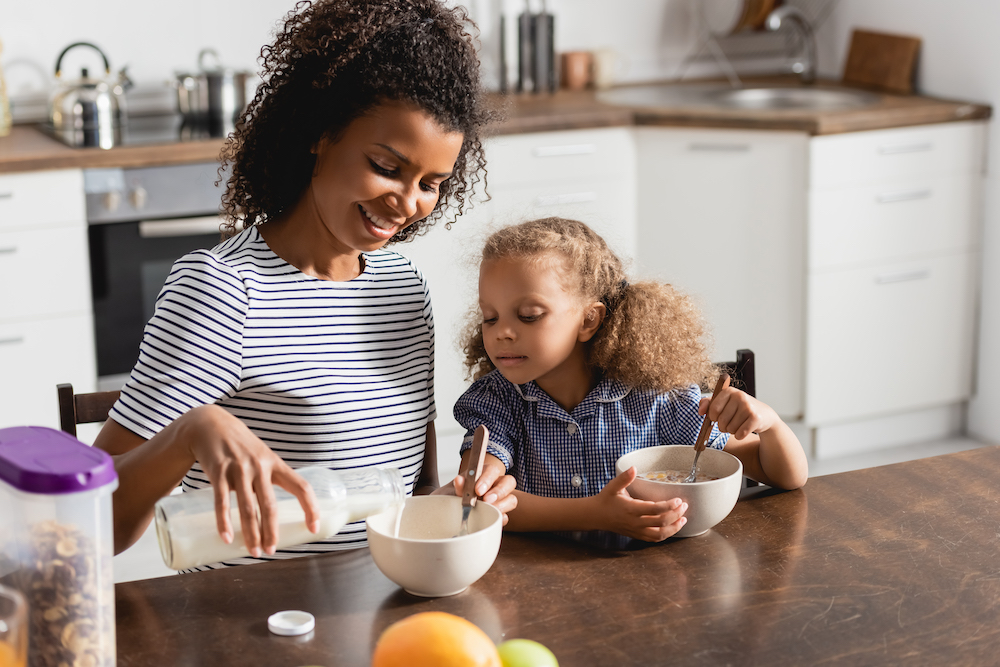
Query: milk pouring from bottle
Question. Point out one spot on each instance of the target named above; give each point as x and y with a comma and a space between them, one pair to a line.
188, 533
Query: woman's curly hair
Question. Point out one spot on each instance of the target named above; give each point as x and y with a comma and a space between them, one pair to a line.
333, 61
652, 336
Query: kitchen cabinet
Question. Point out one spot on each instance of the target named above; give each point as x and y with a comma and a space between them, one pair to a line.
46, 325
587, 175
722, 217
894, 220
847, 262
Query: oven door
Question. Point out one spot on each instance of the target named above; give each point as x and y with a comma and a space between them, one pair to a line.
129, 263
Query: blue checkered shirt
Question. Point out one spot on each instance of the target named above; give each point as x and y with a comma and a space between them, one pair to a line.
559, 455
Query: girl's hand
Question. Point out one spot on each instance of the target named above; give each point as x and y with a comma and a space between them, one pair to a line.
738, 413
236, 459
494, 486
642, 519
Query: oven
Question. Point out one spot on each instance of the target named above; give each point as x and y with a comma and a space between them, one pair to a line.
140, 220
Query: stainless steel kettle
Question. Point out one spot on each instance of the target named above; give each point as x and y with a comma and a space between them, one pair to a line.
89, 111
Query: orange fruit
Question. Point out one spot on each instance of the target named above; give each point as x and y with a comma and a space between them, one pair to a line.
435, 639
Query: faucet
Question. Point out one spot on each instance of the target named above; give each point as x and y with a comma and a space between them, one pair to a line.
805, 66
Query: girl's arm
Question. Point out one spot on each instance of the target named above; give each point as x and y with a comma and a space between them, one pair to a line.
612, 509
494, 486
232, 457
765, 444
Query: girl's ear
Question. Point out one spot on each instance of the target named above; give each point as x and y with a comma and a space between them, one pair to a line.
593, 316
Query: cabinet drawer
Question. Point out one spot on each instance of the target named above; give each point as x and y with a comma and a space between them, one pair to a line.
549, 157
35, 357
884, 155
42, 198
44, 272
890, 338
889, 222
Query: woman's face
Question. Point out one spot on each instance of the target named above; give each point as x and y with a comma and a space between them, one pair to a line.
381, 175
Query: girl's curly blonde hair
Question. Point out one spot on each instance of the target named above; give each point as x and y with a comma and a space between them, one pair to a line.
652, 335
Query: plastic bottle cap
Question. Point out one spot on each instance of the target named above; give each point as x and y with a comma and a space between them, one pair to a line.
291, 622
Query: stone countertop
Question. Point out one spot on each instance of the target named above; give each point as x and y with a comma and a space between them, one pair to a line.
29, 149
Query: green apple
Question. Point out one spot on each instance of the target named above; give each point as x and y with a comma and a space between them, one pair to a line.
525, 653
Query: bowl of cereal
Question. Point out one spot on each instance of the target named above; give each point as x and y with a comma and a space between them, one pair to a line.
421, 549
660, 472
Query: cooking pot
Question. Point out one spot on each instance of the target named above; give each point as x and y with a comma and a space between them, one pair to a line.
214, 97
88, 111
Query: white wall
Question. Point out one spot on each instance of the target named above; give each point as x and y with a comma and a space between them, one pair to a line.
156, 39
959, 57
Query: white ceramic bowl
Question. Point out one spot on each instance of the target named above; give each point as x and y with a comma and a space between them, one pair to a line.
428, 558
708, 502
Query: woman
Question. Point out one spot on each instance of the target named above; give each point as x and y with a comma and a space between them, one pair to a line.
298, 341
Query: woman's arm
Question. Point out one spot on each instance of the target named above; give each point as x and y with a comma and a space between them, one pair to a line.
233, 458
428, 480
612, 509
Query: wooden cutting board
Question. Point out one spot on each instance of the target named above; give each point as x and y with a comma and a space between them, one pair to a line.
882, 61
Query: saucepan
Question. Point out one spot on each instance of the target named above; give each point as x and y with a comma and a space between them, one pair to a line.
214, 97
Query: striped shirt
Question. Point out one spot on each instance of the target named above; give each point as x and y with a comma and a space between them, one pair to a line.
328, 373
556, 454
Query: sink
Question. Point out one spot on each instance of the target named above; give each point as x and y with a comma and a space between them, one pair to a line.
818, 99
719, 96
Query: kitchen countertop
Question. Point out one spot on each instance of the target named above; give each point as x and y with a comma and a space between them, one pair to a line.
29, 149
884, 566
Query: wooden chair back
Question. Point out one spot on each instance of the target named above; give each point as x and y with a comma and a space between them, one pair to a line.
83, 408
742, 372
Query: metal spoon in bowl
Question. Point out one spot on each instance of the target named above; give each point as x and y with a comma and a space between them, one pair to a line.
706, 428
471, 474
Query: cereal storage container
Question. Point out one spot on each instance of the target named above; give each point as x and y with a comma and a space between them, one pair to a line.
56, 543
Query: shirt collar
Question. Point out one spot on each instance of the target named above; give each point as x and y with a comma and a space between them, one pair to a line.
606, 391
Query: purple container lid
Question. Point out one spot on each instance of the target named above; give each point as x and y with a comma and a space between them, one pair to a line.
36, 459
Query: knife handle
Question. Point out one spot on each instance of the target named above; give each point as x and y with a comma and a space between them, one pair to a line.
477, 455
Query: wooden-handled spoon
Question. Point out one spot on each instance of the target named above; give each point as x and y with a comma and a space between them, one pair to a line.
706, 428
471, 474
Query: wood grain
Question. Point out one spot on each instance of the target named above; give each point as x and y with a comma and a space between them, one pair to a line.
881, 61
886, 566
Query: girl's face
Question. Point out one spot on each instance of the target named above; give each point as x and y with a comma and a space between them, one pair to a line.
381, 175
533, 328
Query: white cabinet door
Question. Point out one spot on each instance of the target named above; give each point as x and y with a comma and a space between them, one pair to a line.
35, 356
890, 338
722, 216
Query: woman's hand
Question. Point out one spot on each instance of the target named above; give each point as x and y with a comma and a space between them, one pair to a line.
237, 460
494, 486
738, 413
641, 519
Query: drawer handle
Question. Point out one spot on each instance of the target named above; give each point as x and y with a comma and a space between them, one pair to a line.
903, 195
571, 198
896, 149
905, 276
9, 250
152, 229
719, 148
12, 341
6, 195
571, 149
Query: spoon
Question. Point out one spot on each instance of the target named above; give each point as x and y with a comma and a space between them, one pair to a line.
706, 428
471, 474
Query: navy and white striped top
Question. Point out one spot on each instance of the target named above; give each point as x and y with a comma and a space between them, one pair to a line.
555, 454
326, 373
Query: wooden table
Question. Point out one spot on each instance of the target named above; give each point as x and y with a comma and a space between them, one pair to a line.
892, 565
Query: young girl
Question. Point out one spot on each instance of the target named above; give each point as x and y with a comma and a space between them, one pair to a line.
299, 340
575, 367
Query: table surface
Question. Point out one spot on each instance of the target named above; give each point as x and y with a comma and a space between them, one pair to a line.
891, 565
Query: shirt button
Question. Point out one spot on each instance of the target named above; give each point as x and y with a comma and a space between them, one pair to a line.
576, 481
571, 429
